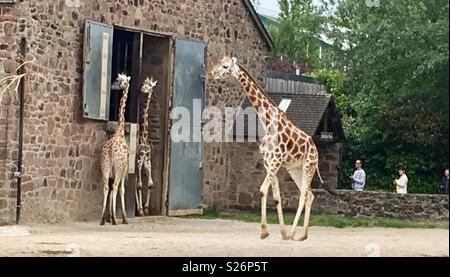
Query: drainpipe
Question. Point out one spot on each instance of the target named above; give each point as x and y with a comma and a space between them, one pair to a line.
18, 173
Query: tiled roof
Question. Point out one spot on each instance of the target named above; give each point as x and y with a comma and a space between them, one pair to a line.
306, 111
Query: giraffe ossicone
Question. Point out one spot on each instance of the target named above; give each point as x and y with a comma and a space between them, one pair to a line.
283, 145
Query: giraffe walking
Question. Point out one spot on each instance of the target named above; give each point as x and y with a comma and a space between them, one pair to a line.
114, 157
284, 145
145, 151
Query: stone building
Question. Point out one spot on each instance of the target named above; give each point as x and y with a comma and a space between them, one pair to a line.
78, 47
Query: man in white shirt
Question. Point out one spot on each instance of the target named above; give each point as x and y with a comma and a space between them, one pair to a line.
402, 182
359, 177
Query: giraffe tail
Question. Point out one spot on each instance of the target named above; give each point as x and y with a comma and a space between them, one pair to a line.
324, 185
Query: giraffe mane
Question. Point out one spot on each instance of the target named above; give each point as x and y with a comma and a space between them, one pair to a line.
261, 89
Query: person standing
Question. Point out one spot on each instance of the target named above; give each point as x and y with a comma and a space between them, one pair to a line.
402, 182
444, 184
359, 177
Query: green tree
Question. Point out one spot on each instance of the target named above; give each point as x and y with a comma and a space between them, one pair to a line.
296, 37
396, 57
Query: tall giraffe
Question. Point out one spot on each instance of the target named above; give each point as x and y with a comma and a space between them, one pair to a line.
114, 157
284, 145
145, 151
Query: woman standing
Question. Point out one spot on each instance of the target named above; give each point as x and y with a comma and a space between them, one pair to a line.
444, 184
402, 182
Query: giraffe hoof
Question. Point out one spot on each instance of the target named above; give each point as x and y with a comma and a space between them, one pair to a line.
124, 221
264, 236
302, 238
291, 236
102, 223
147, 211
141, 213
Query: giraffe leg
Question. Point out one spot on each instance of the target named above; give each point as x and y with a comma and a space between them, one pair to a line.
277, 198
139, 186
119, 177
106, 171
148, 167
113, 200
297, 176
105, 199
109, 219
264, 189
306, 197
309, 201
122, 200
272, 166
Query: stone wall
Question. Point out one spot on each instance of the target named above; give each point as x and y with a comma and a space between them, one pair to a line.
329, 162
382, 204
240, 164
239, 173
61, 149
363, 204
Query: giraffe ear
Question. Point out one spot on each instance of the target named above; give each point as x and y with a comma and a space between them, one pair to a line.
233, 61
154, 83
129, 79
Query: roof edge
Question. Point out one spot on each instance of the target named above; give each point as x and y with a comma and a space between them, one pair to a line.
263, 31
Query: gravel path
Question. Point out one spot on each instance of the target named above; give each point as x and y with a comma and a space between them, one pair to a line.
175, 237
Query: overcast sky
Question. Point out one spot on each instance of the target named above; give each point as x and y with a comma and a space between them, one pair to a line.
270, 7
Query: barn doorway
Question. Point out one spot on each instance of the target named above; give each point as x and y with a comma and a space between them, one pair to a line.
178, 64
140, 56
156, 64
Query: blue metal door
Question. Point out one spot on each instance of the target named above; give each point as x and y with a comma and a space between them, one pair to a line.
186, 176
98, 46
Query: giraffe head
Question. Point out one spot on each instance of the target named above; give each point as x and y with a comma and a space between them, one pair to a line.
122, 82
148, 86
226, 67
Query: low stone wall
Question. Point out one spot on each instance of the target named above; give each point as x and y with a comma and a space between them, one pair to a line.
382, 204
372, 204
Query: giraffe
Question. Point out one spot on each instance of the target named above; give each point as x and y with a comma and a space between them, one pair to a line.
145, 151
114, 157
283, 145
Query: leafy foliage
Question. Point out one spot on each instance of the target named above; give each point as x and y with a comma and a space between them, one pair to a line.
296, 35
389, 77
397, 61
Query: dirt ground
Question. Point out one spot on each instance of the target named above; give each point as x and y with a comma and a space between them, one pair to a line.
175, 237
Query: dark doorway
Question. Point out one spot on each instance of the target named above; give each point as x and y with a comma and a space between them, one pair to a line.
156, 63
140, 56
125, 60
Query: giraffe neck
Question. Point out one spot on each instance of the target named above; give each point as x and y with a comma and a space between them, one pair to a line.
144, 133
123, 102
264, 106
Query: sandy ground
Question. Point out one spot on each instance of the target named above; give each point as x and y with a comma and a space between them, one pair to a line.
174, 237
